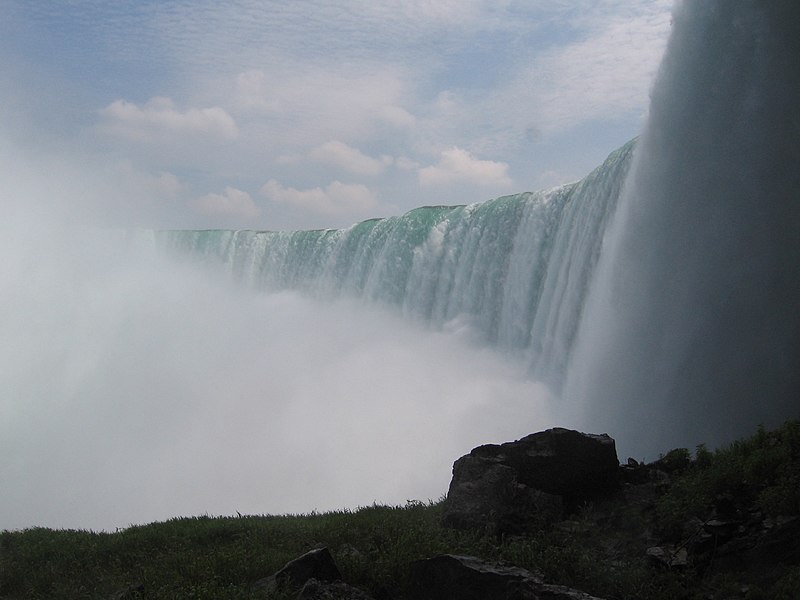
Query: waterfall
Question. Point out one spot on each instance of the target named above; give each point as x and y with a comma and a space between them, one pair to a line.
692, 328
514, 270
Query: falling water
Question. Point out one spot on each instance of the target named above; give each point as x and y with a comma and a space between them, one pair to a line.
692, 329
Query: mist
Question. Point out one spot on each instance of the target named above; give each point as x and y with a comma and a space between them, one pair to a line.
136, 388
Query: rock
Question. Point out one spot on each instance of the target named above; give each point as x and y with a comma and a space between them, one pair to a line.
633, 474
453, 577
659, 477
782, 541
316, 564
456, 577
510, 484
776, 541
721, 528
484, 493
561, 592
668, 556
559, 461
571, 526
314, 589
675, 460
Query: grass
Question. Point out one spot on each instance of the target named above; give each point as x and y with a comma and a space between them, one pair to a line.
599, 550
762, 471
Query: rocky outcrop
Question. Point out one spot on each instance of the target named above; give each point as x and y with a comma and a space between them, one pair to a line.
317, 564
453, 577
511, 485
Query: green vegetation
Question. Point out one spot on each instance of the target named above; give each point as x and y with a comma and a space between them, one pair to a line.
599, 550
762, 471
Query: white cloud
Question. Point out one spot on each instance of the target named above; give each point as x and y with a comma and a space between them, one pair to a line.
162, 185
158, 119
289, 159
252, 91
607, 74
351, 159
233, 204
307, 104
459, 166
336, 198
405, 163
266, 32
601, 69
397, 116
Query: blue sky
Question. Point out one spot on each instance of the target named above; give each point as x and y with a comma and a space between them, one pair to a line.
277, 115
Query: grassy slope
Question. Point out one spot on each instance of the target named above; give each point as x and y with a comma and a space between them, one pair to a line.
599, 550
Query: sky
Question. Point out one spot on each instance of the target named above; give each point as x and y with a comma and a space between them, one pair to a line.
314, 114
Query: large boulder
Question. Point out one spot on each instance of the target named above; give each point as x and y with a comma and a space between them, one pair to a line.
510, 485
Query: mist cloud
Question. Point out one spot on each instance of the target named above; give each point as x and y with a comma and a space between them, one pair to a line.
138, 390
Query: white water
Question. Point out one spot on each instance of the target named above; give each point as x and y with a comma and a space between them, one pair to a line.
692, 331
